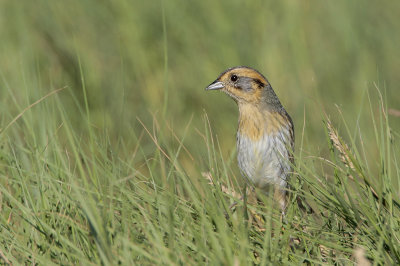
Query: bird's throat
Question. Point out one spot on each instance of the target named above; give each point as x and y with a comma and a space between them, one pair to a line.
255, 122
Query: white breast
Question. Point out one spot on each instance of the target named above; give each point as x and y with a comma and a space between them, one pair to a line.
265, 161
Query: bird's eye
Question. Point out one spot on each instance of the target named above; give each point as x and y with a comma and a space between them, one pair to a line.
234, 77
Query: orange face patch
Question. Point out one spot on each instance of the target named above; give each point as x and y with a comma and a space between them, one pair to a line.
251, 97
243, 84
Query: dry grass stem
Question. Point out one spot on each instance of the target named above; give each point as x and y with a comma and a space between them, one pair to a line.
394, 112
341, 146
224, 189
360, 259
344, 151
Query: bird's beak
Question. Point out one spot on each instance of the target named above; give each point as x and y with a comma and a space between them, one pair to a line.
216, 85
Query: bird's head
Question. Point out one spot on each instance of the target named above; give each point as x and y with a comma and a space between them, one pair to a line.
246, 85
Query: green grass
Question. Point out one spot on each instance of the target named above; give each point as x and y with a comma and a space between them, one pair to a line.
115, 168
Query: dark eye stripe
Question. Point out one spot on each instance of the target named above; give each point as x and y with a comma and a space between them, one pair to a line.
259, 83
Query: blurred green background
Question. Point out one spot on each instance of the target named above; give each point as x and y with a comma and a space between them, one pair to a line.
140, 59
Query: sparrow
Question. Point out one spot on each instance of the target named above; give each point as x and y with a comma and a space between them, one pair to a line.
265, 133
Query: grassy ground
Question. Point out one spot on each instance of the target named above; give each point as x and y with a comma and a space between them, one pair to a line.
111, 152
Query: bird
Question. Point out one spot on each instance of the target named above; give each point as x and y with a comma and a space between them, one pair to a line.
265, 134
